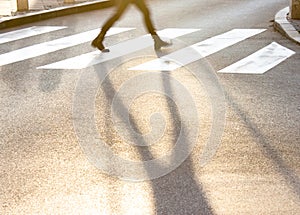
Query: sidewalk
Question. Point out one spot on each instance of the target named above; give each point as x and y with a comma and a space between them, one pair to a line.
56, 10
286, 26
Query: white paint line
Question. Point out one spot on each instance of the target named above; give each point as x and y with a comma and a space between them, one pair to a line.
27, 32
260, 61
198, 51
118, 50
54, 45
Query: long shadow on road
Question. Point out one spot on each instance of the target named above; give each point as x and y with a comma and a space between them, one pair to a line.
290, 176
178, 192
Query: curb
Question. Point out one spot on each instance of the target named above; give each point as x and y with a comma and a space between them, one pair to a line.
283, 25
52, 13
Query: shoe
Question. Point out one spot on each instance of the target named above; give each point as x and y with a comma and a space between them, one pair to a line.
96, 43
159, 43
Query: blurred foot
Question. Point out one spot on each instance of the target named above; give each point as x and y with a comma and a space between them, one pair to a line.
96, 43
159, 43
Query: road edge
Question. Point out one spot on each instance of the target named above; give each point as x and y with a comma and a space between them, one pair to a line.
284, 26
52, 13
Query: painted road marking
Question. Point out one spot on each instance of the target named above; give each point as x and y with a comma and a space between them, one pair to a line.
260, 61
27, 32
118, 50
198, 51
54, 45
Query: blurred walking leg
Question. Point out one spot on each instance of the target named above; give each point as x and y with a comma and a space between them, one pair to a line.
123, 4
158, 42
98, 41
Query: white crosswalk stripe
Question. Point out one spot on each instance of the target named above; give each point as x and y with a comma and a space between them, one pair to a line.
54, 45
261, 61
197, 51
256, 63
27, 32
118, 50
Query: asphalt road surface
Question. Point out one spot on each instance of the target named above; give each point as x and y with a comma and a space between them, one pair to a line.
209, 125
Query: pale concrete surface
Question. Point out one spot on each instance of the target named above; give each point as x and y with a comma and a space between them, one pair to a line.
287, 26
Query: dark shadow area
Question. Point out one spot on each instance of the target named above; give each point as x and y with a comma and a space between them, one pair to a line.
49, 80
291, 178
178, 192
15, 80
184, 195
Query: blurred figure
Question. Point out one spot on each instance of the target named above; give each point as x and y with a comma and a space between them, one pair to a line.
122, 5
